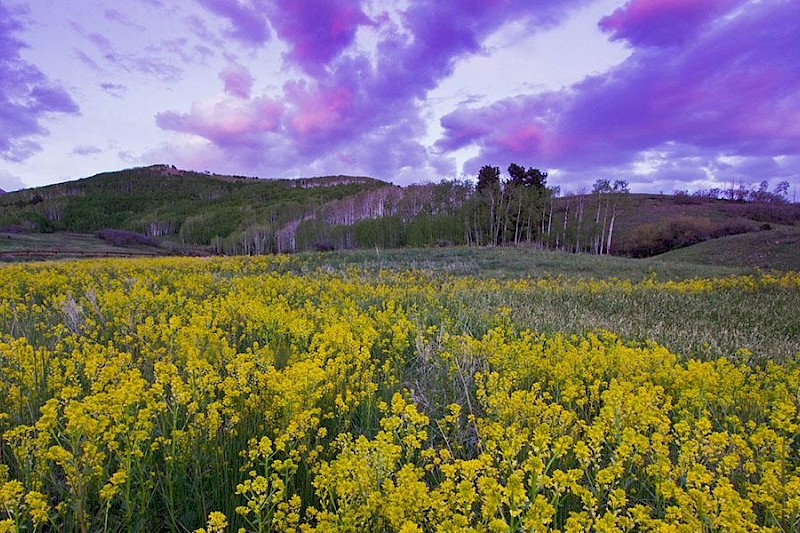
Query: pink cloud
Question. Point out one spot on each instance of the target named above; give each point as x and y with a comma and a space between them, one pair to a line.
662, 22
319, 110
350, 98
520, 139
227, 122
238, 81
317, 30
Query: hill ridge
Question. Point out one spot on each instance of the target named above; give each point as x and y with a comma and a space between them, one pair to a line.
201, 212
192, 208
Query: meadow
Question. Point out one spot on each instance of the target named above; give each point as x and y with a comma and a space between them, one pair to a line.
431, 390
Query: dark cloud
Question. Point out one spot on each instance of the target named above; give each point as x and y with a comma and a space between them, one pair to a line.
663, 22
26, 94
316, 30
732, 88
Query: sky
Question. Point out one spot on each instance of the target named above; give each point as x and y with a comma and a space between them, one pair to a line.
666, 94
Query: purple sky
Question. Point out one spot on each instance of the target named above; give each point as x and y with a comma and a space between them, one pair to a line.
668, 94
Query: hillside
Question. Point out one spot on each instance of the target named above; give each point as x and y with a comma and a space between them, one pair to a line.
775, 249
162, 210
222, 213
646, 225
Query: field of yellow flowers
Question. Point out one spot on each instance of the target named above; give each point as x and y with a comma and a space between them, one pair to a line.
264, 394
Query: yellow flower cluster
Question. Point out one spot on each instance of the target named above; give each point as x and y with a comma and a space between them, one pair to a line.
254, 394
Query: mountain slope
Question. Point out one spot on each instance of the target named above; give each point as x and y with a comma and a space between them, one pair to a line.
162, 201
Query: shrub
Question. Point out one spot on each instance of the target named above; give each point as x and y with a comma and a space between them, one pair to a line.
661, 237
119, 237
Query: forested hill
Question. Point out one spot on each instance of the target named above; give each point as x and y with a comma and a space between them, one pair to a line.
173, 211
226, 213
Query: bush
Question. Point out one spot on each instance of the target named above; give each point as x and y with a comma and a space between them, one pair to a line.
661, 237
324, 246
14, 228
119, 237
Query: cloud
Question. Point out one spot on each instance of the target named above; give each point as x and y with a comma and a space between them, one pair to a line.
149, 63
84, 58
226, 122
86, 150
317, 30
117, 90
364, 82
200, 29
182, 50
118, 17
663, 22
27, 96
248, 19
10, 182
731, 88
238, 81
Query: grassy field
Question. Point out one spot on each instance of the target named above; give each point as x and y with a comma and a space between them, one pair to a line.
509, 262
413, 390
47, 246
38, 246
694, 324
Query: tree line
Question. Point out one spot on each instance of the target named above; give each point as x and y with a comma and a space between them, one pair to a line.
518, 209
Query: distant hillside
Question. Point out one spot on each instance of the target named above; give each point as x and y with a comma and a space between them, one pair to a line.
774, 249
163, 210
646, 225
186, 207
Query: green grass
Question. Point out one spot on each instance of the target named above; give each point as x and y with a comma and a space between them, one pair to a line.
700, 325
508, 263
703, 325
693, 325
